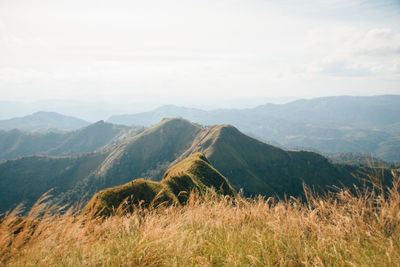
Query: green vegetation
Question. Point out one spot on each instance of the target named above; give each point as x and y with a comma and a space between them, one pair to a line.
26, 179
192, 174
360, 159
259, 168
195, 173
341, 229
149, 153
129, 157
94, 137
124, 198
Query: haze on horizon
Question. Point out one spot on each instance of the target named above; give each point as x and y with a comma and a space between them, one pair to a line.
197, 53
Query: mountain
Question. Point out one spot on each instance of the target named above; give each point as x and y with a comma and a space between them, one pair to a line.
149, 153
260, 168
328, 124
41, 121
155, 116
248, 164
16, 143
361, 160
357, 111
193, 173
26, 179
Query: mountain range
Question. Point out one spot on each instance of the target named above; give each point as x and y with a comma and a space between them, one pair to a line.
16, 143
247, 163
325, 125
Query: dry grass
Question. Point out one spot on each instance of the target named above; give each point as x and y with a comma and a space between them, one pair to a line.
343, 229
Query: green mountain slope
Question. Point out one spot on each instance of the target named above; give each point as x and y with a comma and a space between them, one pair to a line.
26, 179
43, 121
193, 173
259, 168
16, 143
149, 153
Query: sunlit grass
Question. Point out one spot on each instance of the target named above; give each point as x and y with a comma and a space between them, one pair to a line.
344, 228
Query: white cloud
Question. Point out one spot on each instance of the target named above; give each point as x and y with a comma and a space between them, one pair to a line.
379, 42
220, 48
353, 52
337, 67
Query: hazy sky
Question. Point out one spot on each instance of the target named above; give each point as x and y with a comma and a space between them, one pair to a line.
197, 52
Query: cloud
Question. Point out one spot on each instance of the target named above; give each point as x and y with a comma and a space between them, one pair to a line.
353, 52
340, 67
219, 47
378, 42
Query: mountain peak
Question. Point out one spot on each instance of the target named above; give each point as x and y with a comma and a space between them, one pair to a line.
225, 129
174, 120
164, 141
41, 113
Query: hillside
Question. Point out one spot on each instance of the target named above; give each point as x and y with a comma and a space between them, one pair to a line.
259, 168
42, 121
16, 143
26, 179
195, 173
248, 164
149, 153
327, 124
361, 160
192, 173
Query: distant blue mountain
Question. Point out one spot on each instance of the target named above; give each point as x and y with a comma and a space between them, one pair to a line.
41, 121
359, 124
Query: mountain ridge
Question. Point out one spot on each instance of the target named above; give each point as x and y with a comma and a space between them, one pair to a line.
328, 124
194, 173
17, 143
43, 121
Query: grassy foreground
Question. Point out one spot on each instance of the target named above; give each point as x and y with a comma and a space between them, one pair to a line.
341, 229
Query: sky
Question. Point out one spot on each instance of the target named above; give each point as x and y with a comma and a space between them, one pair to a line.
197, 53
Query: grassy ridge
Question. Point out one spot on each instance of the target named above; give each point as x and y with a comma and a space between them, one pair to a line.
342, 229
194, 173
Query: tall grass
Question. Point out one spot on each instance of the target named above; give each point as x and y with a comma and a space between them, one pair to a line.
350, 227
